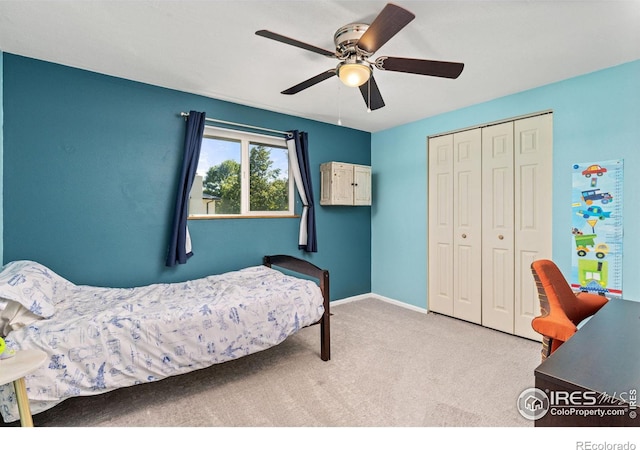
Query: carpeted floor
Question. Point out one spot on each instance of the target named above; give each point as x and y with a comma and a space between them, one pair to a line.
390, 367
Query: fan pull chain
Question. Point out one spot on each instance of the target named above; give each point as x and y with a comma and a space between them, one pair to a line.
339, 107
369, 95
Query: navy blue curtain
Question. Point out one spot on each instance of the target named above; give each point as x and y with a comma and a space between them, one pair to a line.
297, 143
180, 243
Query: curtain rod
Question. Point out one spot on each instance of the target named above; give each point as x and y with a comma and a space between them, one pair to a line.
286, 133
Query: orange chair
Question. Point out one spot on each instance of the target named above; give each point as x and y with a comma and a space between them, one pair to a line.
561, 308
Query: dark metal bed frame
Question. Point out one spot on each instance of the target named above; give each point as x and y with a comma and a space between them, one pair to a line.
322, 276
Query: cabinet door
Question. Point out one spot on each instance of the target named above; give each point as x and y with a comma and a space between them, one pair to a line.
326, 175
533, 149
497, 227
440, 251
342, 184
467, 220
362, 185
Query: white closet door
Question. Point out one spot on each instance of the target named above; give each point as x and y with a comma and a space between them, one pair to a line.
467, 235
533, 164
440, 272
490, 208
497, 227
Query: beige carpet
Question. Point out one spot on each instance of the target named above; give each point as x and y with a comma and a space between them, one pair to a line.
390, 367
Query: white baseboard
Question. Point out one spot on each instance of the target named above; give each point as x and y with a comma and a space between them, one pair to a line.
379, 297
355, 298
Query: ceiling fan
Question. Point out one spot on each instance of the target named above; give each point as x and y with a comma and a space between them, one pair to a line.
355, 43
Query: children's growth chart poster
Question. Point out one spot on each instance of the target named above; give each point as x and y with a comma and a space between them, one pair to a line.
597, 227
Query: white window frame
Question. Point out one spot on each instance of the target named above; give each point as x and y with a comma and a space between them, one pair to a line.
246, 139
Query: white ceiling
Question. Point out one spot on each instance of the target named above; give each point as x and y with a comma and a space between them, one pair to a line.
210, 48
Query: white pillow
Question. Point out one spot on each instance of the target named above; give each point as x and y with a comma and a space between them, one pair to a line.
15, 316
30, 284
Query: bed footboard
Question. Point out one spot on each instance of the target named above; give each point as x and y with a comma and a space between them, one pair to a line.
322, 276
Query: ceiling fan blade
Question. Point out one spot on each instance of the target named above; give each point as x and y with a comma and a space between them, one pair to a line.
310, 82
371, 94
443, 69
280, 38
391, 19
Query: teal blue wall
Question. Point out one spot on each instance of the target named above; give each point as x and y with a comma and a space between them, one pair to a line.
90, 172
596, 117
90, 167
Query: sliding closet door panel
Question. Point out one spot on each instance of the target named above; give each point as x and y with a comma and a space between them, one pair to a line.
497, 227
467, 235
533, 149
526, 302
440, 252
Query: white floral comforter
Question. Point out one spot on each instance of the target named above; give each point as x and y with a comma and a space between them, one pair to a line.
100, 339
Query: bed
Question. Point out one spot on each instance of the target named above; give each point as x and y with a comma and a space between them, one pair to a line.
99, 339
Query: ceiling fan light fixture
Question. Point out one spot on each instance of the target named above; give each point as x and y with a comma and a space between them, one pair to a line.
354, 73
356, 43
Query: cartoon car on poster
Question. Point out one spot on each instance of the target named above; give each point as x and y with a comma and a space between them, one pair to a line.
584, 241
594, 169
594, 211
594, 194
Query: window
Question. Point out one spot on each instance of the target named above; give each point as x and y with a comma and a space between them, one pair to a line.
241, 174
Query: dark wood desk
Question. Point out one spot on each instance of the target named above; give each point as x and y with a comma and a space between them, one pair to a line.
603, 357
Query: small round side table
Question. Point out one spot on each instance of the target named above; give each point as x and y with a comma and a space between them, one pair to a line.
14, 370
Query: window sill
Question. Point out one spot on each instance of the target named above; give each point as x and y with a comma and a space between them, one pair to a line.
245, 216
